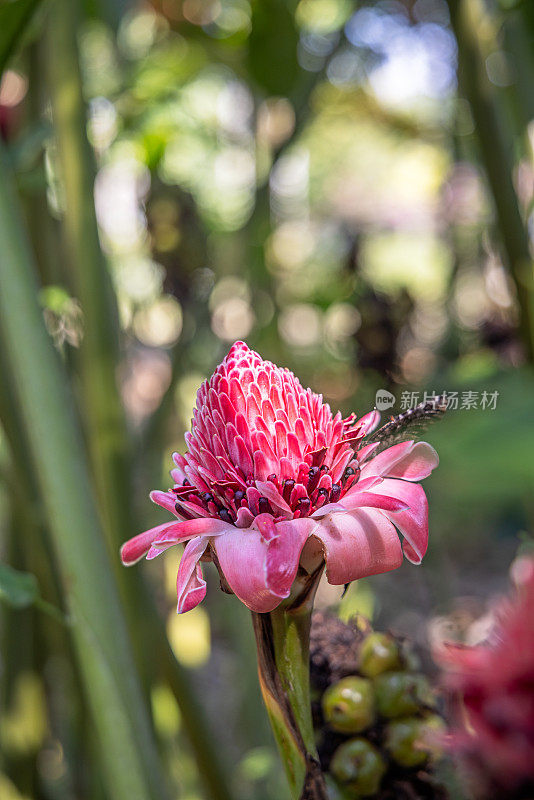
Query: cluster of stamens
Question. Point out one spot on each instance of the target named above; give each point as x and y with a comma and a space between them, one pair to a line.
303, 495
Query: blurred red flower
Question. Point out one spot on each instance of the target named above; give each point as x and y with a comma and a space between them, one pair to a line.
492, 693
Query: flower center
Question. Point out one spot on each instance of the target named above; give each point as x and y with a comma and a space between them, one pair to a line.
300, 497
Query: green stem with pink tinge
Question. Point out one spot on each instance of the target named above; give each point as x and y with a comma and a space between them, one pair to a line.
283, 640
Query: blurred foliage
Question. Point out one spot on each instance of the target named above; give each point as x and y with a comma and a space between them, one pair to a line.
18, 589
14, 17
308, 176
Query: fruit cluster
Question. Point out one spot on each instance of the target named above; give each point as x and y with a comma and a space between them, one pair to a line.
374, 712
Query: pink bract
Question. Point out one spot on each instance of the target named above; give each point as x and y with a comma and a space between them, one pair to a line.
272, 479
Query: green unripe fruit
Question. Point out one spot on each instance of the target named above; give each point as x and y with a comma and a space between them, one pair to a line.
378, 653
412, 741
358, 767
349, 705
434, 729
401, 693
334, 790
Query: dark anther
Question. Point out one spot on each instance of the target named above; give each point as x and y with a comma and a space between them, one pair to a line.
335, 494
207, 497
313, 478
272, 477
264, 506
324, 468
303, 505
185, 482
182, 511
238, 495
225, 515
351, 476
288, 488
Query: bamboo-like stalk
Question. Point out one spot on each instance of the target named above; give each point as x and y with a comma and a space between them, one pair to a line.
42, 227
496, 149
129, 757
283, 643
103, 416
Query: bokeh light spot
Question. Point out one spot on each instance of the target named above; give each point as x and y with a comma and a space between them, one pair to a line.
159, 324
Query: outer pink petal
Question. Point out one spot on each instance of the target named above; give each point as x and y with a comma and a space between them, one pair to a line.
368, 423
242, 555
366, 450
408, 460
412, 523
357, 544
136, 548
358, 489
181, 531
353, 500
190, 585
285, 541
166, 500
260, 566
163, 536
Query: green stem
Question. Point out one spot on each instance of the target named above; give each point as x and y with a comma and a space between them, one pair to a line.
291, 637
50, 609
128, 753
103, 416
283, 642
496, 149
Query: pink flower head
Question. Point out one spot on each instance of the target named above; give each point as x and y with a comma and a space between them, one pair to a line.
493, 683
272, 480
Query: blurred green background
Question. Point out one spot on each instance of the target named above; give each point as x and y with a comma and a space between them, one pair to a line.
346, 186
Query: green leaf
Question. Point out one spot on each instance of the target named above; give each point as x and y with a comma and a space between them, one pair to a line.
17, 589
272, 56
127, 748
14, 17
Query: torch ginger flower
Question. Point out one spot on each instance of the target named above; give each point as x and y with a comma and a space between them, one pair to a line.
272, 480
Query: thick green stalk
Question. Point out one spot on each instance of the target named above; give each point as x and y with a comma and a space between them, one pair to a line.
283, 642
103, 415
496, 149
128, 753
43, 228
291, 637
